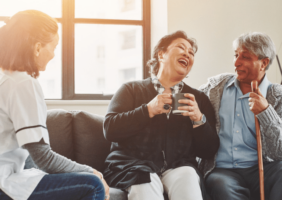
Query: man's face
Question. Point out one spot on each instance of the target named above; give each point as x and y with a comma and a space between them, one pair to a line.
247, 66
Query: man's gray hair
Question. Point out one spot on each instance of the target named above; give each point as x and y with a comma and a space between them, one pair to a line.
257, 43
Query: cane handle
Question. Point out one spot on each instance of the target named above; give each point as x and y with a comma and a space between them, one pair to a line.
254, 85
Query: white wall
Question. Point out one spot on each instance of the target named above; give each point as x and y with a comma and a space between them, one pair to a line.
215, 24
159, 25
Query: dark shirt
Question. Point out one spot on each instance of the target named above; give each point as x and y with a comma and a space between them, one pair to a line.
143, 145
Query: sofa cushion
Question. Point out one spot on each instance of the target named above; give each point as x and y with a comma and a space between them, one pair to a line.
91, 148
59, 125
116, 194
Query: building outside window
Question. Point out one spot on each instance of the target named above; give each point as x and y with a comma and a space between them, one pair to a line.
128, 39
128, 5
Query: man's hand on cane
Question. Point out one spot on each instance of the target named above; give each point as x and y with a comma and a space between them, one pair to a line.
257, 102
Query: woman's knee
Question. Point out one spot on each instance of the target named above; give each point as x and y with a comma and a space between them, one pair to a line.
94, 183
183, 183
187, 173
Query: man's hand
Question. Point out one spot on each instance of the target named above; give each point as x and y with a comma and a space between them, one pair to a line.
156, 106
192, 107
107, 189
257, 102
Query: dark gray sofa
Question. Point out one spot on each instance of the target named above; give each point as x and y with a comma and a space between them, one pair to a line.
78, 135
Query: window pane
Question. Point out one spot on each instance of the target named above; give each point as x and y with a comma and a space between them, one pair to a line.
51, 79
107, 56
51, 7
109, 9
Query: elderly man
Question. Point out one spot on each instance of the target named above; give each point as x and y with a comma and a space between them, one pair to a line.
233, 173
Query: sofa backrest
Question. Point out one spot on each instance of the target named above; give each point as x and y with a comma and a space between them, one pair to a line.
90, 146
59, 125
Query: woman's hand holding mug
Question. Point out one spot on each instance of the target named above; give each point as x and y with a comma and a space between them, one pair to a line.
191, 107
157, 105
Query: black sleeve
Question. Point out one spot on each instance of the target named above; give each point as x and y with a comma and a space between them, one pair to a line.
123, 119
206, 140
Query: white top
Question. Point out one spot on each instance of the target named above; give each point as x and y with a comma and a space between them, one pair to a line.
22, 120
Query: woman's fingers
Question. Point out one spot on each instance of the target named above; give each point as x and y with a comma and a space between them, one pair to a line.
190, 96
156, 105
107, 190
188, 108
167, 101
186, 101
189, 114
97, 173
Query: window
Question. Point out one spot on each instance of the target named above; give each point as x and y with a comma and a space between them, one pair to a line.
128, 75
128, 39
103, 44
100, 52
128, 5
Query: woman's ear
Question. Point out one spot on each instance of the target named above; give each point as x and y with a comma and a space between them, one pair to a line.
37, 49
160, 55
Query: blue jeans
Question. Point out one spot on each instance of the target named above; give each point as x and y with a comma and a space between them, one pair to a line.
68, 186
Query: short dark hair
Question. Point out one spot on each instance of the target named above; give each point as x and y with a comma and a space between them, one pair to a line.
19, 36
162, 45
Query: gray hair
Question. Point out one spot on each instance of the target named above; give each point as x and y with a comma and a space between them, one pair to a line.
257, 43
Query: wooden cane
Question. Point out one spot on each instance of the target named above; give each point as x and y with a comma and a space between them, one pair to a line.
260, 161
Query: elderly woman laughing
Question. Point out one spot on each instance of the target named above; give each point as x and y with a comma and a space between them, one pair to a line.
154, 151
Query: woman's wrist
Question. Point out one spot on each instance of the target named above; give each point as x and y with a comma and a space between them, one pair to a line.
151, 115
99, 174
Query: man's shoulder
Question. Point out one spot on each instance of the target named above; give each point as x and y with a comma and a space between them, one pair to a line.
216, 80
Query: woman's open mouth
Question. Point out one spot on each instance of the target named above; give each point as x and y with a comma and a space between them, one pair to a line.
183, 62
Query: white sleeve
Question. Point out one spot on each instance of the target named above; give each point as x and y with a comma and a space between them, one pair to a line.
28, 112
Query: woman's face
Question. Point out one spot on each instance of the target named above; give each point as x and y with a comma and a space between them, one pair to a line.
178, 59
44, 54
